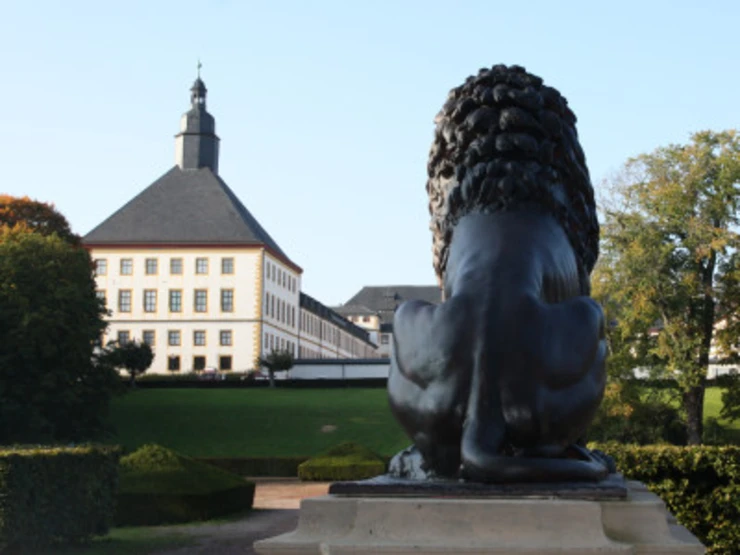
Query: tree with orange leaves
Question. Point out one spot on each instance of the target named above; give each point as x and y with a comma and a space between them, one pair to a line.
38, 217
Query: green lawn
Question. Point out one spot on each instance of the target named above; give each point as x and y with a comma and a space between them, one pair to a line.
256, 422
122, 541
273, 422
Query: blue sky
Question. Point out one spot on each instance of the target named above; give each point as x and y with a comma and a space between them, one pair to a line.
325, 108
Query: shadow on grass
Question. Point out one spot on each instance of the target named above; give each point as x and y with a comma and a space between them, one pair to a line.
136, 540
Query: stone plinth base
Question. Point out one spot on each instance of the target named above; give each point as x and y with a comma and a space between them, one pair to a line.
335, 525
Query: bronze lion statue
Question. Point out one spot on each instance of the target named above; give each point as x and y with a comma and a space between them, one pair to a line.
500, 381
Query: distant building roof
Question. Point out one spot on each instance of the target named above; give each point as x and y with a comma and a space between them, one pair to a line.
354, 310
184, 207
384, 299
307, 302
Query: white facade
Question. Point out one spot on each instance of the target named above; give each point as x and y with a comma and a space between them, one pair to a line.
196, 304
281, 286
211, 307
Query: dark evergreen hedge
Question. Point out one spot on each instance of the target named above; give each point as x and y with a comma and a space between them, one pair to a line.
56, 494
259, 466
346, 461
149, 509
700, 486
160, 486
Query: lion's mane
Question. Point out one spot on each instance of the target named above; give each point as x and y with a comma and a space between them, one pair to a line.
503, 140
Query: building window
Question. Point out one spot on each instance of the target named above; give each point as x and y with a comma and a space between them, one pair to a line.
279, 276
366, 318
176, 266
201, 265
225, 337
147, 337
173, 338
384, 339
199, 363
227, 300
201, 300
199, 338
175, 300
101, 267
150, 266
173, 363
150, 300
124, 300
123, 337
100, 294
266, 310
227, 265
127, 266
267, 341
224, 363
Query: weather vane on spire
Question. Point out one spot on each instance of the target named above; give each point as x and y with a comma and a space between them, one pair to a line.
199, 66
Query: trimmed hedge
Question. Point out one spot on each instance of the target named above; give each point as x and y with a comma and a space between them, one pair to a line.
54, 495
700, 485
346, 461
159, 486
258, 466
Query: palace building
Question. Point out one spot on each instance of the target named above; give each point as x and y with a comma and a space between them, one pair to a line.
372, 308
185, 267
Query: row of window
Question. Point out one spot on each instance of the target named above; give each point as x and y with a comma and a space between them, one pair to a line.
149, 300
324, 331
151, 266
274, 343
364, 319
277, 308
174, 337
199, 362
305, 352
280, 276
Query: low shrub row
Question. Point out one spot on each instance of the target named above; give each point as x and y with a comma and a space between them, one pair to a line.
52, 495
699, 485
236, 381
258, 466
346, 461
159, 486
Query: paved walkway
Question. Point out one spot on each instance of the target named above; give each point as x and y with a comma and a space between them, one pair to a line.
276, 503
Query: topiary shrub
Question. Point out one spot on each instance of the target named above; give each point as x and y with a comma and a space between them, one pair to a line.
346, 461
159, 486
54, 495
700, 485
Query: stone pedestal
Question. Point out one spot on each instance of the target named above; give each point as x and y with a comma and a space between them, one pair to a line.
337, 525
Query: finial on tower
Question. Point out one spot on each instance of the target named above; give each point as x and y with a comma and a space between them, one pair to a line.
199, 66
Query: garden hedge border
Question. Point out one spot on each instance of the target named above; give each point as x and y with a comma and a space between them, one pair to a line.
54, 495
154, 509
700, 485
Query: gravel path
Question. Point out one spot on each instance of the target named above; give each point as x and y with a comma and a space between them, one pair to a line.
276, 504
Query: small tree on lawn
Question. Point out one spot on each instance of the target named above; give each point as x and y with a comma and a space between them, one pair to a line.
134, 357
275, 361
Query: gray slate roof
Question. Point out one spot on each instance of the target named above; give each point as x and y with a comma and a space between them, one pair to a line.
353, 310
385, 298
184, 207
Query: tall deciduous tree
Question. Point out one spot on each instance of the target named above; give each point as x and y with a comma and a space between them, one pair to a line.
51, 388
275, 361
669, 275
36, 216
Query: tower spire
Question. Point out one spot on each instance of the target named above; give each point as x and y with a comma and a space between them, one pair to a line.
196, 146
